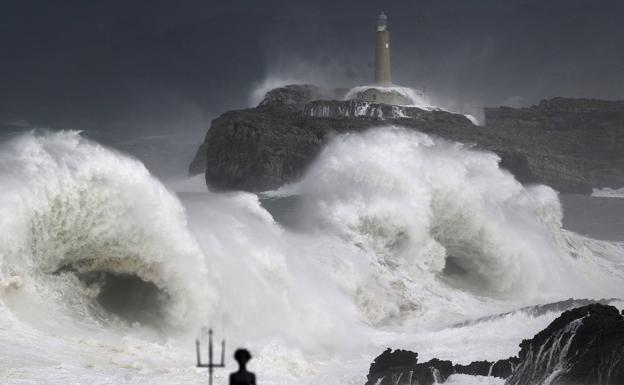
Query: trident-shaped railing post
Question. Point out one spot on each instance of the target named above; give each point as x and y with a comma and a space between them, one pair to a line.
210, 365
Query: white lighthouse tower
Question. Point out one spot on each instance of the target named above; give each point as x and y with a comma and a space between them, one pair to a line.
382, 52
383, 90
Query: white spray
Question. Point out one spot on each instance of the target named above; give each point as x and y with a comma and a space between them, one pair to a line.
400, 234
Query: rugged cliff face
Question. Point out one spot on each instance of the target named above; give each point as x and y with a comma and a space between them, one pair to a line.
569, 144
401, 367
261, 148
583, 346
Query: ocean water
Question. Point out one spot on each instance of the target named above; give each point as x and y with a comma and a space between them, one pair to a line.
392, 238
600, 217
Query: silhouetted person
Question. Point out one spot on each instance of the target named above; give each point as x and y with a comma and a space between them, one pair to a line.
242, 376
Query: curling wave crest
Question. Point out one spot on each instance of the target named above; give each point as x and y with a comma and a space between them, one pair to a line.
391, 238
72, 209
440, 221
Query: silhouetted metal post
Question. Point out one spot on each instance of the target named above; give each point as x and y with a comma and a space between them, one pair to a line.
210, 365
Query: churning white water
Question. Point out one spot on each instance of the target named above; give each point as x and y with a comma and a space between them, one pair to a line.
390, 239
417, 97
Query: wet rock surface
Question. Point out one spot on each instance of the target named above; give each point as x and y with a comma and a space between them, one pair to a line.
401, 367
584, 345
571, 145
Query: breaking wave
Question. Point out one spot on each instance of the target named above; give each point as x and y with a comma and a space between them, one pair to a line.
418, 99
80, 222
439, 220
390, 236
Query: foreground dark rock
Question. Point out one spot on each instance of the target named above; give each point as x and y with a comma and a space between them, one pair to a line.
571, 145
401, 367
583, 346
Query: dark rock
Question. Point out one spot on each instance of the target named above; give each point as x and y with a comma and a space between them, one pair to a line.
257, 149
340, 109
504, 368
501, 368
261, 148
517, 163
198, 164
440, 369
400, 367
475, 368
392, 359
582, 346
296, 96
571, 145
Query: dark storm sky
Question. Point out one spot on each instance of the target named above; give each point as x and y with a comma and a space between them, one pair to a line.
75, 60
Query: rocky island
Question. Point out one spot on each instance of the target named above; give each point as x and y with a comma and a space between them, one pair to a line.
572, 145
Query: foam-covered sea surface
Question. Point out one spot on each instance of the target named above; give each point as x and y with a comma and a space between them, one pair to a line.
392, 238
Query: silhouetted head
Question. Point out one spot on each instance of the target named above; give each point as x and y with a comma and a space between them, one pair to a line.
242, 356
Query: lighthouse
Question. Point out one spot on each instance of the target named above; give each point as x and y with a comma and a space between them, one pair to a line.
382, 52
383, 91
